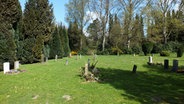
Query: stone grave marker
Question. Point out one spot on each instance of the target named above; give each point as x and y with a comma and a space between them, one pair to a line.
150, 59
166, 64
134, 69
16, 65
77, 57
86, 70
88, 63
56, 57
6, 67
66, 62
175, 66
80, 56
70, 55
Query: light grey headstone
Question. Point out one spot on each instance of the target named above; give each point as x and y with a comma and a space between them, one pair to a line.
86, 70
16, 65
56, 57
150, 59
6, 67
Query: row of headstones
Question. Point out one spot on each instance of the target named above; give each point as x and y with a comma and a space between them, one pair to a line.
166, 64
6, 66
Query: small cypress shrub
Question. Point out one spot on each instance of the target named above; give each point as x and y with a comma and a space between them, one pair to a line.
147, 47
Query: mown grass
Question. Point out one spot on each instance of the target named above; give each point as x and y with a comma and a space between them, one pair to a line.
49, 82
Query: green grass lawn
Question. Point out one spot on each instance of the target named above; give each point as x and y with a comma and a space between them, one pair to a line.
47, 83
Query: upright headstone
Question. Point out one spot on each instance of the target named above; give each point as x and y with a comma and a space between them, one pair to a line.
46, 59
134, 69
86, 70
166, 64
6, 67
150, 59
66, 62
80, 56
88, 63
175, 65
42, 58
77, 57
16, 65
94, 57
56, 57
134, 54
70, 55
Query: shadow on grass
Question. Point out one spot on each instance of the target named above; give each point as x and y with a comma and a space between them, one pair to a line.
146, 87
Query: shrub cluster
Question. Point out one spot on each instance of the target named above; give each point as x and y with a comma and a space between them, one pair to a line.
147, 47
164, 53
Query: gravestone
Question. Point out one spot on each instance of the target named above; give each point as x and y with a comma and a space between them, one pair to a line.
86, 70
77, 57
150, 59
88, 63
166, 64
66, 62
134, 69
175, 66
56, 57
42, 58
134, 54
70, 55
46, 59
16, 65
80, 56
6, 67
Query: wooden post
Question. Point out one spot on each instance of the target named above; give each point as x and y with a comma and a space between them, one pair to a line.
166, 64
175, 65
134, 69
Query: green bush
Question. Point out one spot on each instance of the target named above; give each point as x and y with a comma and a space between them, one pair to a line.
116, 51
170, 46
180, 52
147, 47
164, 53
136, 49
157, 48
127, 51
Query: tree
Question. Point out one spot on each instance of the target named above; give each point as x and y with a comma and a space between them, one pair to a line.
102, 9
9, 17
77, 12
116, 33
66, 46
55, 45
129, 8
94, 34
74, 36
38, 25
163, 7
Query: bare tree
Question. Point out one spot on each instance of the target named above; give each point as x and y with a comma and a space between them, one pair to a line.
102, 9
77, 12
163, 7
129, 8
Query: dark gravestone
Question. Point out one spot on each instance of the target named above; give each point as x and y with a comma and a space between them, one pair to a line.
166, 64
88, 64
134, 69
175, 65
